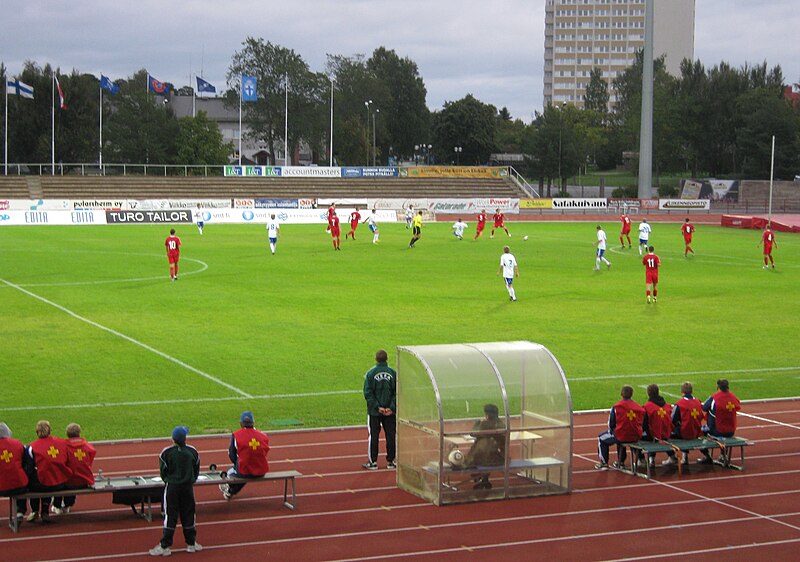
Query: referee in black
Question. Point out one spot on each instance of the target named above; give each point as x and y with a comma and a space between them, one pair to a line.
180, 466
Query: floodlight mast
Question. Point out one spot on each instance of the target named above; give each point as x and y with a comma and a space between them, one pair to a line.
646, 128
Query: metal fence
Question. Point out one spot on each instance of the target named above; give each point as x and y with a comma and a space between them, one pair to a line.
83, 169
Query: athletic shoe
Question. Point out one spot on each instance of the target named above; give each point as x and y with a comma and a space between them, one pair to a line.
513, 299
196, 547
609, 265
705, 460
595, 269
766, 267
509, 235
159, 550
492, 236
55, 510
601, 466
649, 300
652, 463
370, 465
32, 516
655, 299
616, 465
391, 465
669, 461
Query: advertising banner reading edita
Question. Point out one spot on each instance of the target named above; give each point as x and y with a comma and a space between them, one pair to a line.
684, 204
148, 217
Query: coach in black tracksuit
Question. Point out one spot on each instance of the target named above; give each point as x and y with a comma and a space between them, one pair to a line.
380, 391
180, 466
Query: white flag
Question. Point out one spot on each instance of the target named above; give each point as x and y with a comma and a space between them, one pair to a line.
19, 88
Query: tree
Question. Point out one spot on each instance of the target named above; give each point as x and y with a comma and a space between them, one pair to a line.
467, 123
762, 114
596, 96
555, 144
199, 141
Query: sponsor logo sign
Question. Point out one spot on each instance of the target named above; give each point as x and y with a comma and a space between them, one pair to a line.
454, 172
306, 203
684, 204
35, 205
648, 203
4, 217
5, 205
36, 217
99, 204
276, 204
252, 171
59, 217
311, 171
148, 217
381, 172
243, 203
82, 217
535, 203
352, 172
451, 205
579, 203
397, 203
507, 205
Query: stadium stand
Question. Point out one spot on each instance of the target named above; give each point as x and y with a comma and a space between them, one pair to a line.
154, 187
755, 195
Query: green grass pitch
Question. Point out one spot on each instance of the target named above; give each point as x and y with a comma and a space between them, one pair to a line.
92, 331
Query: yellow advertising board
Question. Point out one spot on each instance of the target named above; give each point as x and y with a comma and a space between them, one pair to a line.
535, 203
454, 172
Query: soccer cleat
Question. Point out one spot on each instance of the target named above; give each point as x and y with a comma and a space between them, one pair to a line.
601, 466
513, 299
649, 300
608, 265
159, 550
617, 465
509, 235
492, 236
391, 465
370, 465
766, 267
655, 299
669, 461
595, 269
652, 463
196, 547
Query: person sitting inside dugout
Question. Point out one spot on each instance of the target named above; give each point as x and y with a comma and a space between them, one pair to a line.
489, 449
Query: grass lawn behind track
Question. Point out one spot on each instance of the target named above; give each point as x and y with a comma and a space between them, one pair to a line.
296, 331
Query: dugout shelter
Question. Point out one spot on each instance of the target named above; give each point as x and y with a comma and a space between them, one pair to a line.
443, 395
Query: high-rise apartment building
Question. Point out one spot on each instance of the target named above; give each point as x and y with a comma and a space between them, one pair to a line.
580, 35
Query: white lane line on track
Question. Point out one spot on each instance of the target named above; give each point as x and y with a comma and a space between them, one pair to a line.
759, 418
128, 339
673, 553
686, 373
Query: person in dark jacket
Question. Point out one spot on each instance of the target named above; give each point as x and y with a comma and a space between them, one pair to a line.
248, 452
657, 424
489, 449
380, 392
180, 467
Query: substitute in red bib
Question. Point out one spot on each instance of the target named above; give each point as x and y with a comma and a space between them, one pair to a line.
720, 408
80, 456
687, 420
13, 479
248, 452
624, 426
173, 244
657, 420
48, 468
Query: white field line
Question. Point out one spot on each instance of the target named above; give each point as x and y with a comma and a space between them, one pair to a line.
129, 339
326, 393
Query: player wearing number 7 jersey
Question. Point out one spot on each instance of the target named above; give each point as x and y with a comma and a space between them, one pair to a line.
173, 244
651, 263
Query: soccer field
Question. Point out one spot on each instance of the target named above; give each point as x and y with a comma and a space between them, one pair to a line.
94, 332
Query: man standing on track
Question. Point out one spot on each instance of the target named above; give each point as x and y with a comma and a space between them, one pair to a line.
768, 239
508, 266
380, 392
248, 452
481, 224
355, 218
180, 467
721, 408
626, 229
173, 244
687, 229
499, 222
651, 263
273, 232
601, 249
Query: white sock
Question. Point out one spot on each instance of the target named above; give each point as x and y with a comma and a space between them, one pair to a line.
597, 262
640, 249
375, 238
605, 261
512, 292
272, 247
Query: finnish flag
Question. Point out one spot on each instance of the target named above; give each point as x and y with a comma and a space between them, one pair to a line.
19, 88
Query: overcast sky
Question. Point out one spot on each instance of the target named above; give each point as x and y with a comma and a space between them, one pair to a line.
492, 49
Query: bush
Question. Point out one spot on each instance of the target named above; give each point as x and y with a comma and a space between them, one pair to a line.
667, 191
562, 194
630, 192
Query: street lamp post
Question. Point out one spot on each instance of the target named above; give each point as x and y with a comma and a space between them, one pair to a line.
373, 135
367, 104
458, 150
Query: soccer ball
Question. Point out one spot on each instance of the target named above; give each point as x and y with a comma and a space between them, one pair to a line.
456, 458
525, 237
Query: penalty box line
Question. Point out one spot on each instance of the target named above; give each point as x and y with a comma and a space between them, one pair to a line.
129, 339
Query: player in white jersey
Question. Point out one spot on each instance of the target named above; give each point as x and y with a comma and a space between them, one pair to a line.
372, 224
409, 215
273, 231
508, 266
198, 215
644, 235
601, 249
458, 229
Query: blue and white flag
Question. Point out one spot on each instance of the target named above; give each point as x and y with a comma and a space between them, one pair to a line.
107, 84
19, 88
249, 88
203, 86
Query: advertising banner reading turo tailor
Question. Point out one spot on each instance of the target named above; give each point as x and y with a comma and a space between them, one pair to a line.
148, 217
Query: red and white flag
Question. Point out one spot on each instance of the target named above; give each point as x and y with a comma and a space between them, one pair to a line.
60, 93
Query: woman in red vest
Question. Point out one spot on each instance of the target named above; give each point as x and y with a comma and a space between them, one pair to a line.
13, 479
721, 408
80, 456
248, 453
49, 471
624, 426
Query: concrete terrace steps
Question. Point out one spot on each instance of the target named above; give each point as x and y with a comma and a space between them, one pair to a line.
14, 187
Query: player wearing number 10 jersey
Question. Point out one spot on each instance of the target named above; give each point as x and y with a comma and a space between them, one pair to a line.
173, 244
651, 263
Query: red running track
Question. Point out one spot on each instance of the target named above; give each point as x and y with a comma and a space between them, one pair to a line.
346, 513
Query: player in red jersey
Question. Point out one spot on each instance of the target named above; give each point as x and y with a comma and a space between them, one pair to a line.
688, 230
626, 229
499, 222
768, 239
331, 214
651, 262
355, 217
481, 224
335, 232
173, 244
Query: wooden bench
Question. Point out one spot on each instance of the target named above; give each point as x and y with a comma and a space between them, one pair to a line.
153, 486
724, 444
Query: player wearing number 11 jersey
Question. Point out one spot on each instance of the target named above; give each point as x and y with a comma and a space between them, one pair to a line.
173, 244
651, 263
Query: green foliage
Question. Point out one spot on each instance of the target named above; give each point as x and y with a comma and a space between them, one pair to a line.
667, 191
297, 330
468, 123
596, 97
200, 141
627, 192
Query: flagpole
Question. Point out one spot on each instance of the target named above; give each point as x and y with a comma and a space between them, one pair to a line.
5, 132
241, 92
286, 123
330, 163
100, 147
53, 126
194, 95
771, 176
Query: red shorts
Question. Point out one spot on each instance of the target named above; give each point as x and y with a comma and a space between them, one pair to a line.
353, 225
498, 225
687, 238
626, 229
335, 231
651, 277
480, 226
767, 249
173, 256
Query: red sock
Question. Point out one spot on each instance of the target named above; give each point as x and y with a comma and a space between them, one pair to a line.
765, 260
648, 293
655, 292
